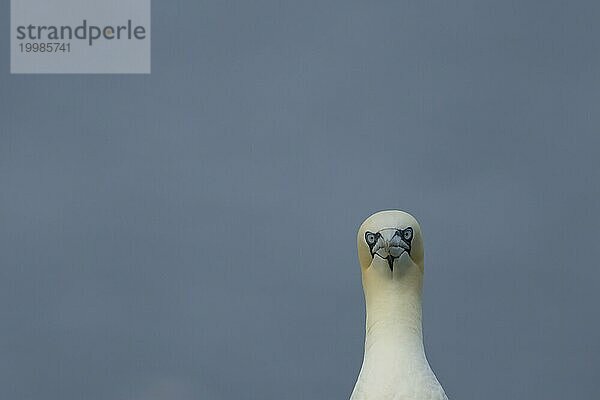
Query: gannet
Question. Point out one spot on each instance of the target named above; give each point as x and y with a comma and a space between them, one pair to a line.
390, 252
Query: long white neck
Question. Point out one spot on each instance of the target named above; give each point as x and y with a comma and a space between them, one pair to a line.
393, 322
394, 363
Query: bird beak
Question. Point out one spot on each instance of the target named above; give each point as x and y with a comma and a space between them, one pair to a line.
389, 246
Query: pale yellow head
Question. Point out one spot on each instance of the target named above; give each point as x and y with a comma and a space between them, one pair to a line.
390, 240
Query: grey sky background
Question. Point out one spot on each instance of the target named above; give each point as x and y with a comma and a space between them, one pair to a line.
191, 234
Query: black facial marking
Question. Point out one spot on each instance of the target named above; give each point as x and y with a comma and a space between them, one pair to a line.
405, 235
390, 261
371, 239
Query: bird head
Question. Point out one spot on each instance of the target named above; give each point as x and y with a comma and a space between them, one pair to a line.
390, 239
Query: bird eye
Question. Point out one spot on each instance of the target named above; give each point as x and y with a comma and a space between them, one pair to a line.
407, 233
370, 237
